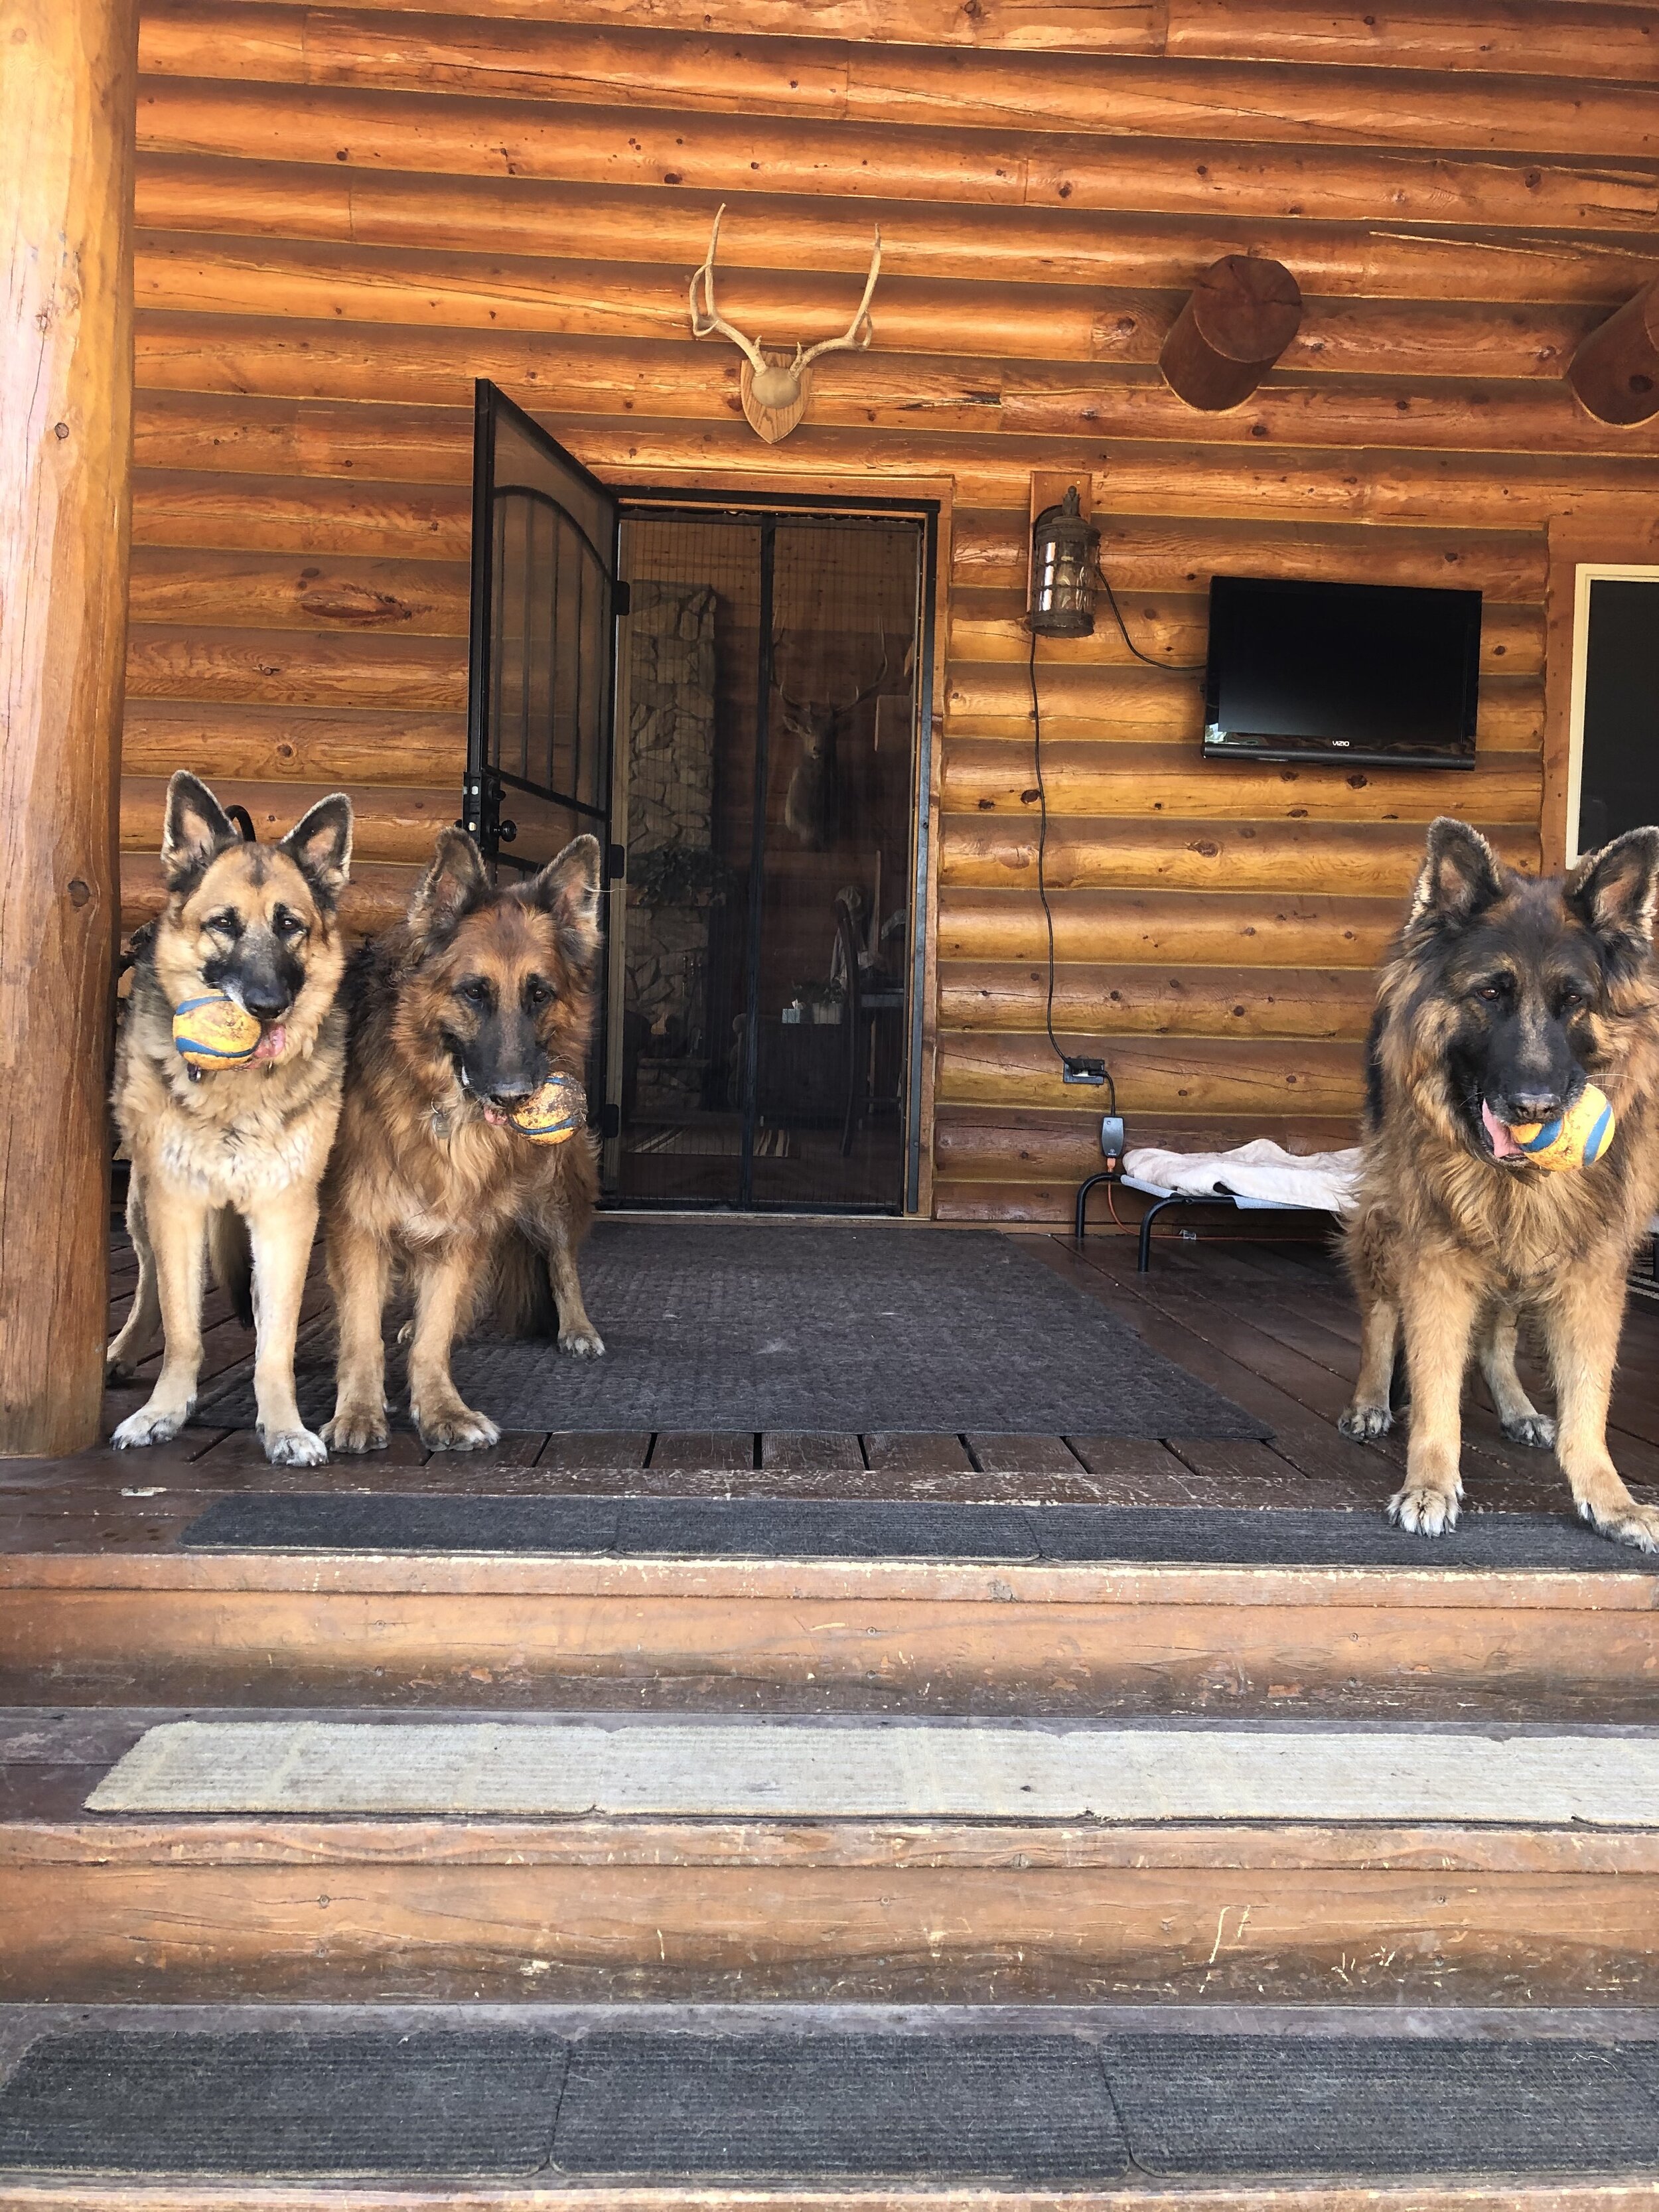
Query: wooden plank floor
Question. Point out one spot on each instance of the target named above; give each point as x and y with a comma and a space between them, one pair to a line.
1270, 1323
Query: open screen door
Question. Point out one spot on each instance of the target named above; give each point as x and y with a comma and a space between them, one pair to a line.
545, 602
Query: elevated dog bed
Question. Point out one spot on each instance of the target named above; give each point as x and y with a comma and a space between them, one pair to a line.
1260, 1177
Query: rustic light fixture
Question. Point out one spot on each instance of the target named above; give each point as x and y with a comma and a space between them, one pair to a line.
1615, 372
774, 391
1062, 596
1243, 312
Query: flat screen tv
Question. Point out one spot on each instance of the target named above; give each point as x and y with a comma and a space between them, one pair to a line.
1384, 675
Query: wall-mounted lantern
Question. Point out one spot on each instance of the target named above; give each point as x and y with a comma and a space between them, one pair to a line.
1062, 595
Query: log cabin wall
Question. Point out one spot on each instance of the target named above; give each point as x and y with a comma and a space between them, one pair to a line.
348, 213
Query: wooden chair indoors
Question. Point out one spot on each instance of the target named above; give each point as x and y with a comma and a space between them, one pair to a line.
874, 996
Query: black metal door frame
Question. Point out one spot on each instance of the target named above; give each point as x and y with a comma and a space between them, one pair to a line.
767, 511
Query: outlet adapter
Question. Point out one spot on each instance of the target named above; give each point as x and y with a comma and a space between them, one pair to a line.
1091, 1071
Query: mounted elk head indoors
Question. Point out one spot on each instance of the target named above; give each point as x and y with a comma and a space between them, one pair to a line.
812, 804
774, 391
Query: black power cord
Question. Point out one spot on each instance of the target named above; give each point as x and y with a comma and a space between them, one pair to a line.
1075, 1066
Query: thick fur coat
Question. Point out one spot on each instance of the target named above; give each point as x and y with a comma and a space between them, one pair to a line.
232, 1157
1504, 996
456, 1015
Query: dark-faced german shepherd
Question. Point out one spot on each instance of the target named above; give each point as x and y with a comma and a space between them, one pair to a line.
233, 1156
1503, 998
457, 1017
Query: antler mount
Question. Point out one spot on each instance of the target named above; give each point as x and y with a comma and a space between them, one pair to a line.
774, 389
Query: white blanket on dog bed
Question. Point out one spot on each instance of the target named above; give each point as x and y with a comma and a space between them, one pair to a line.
1262, 1170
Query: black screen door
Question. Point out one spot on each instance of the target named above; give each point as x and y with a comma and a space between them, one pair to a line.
544, 623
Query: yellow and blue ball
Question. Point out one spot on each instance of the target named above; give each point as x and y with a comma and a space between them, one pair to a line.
214, 1031
1576, 1139
554, 1112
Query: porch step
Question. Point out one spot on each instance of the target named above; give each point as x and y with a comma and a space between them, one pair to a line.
778, 1605
309, 2106
144, 1857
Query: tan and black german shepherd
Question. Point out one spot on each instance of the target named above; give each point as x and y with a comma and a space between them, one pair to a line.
1504, 996
458, 1015
233, 1157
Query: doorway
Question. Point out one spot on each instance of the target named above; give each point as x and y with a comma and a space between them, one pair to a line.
763, 983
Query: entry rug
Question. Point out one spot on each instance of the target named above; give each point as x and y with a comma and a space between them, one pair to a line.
748, 1326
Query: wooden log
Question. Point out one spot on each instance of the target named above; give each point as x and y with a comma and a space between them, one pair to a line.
66, 153
1212, 1075
267, 435
249, 514
1005, 997
403, 599
274, 745
1222, 928
394, 823
1615, 372
1124, 705
997, 167
415, 286
1138, 251
1029, 1144
377, 896
1374, 859
991, 779
876, 390
989, 547
1242, 314
989, 626
1564, 37
1532, 37
1094, 26
296, 668
831, 80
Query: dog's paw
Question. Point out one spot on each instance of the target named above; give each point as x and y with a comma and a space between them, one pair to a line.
583, 1343
1638, 1525
294, 1448
356, 1431
457, 1428
1364, 1424
1423, 1509
149, 1426
1535, 1430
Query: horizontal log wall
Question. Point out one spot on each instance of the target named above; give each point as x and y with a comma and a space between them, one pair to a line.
347, 213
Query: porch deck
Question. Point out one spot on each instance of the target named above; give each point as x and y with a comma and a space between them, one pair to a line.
1269, 1321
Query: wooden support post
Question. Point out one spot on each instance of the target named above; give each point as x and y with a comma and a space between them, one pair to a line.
68, 102
1615, 372
1242, 315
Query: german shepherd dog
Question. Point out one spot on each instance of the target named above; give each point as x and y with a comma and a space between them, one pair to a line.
1504, 996
457, 1017
232, 1157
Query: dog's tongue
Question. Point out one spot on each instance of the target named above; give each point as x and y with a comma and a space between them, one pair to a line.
1503, 1146
271, 1042
495, 1116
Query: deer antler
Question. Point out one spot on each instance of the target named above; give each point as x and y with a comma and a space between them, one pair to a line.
872, 687
859, 330
705, 322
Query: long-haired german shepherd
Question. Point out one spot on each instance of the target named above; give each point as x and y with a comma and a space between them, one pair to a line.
1504, 996
458, 1015
232, 1157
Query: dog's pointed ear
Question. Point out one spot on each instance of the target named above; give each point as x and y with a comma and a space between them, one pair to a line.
195, 828
319, 846
568, 888
1460, 874
451, 887
1614, 891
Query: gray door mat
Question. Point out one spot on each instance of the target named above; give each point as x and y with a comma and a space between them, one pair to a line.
1015, 2104
748, 1327
461, 2101
796, 1528
1252, 2105
1019, 2108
